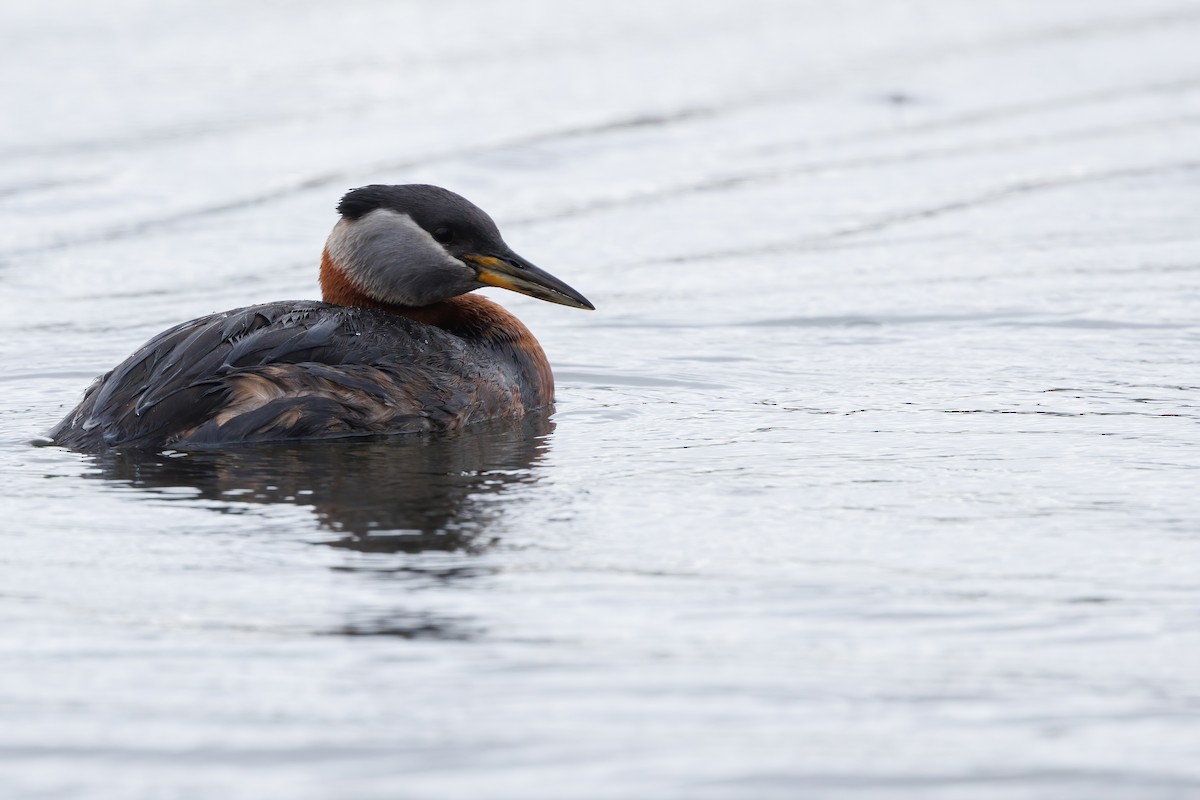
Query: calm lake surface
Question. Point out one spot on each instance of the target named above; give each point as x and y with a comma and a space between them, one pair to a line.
875, 473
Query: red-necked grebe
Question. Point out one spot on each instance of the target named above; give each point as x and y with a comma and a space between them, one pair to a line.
397, 346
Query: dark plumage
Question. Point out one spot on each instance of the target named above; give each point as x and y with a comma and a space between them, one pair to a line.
371, 364
432, 207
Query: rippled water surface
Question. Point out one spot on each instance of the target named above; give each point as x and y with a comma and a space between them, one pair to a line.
873, 475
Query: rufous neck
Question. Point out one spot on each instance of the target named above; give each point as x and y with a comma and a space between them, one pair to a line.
337, 288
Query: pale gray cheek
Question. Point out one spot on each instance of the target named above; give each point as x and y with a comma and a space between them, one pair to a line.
394, 260
437, 281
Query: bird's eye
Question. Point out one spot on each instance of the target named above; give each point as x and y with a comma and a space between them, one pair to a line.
444, 235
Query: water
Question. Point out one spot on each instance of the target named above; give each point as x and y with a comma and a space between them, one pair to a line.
873, 475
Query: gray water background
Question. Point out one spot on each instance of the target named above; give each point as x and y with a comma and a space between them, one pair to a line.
873, 475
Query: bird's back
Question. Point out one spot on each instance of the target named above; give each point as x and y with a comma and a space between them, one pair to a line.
308, 370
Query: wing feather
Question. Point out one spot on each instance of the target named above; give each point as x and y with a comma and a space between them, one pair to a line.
286, 371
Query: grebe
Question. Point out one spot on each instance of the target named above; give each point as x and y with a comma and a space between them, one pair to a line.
397, 346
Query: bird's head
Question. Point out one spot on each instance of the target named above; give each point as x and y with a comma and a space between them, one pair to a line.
415, 245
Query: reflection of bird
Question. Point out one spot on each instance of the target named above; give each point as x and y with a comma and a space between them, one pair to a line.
396, 347
442, 492
450, 492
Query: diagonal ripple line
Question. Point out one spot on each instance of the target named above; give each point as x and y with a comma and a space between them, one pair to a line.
1101, 27
778, 174
897, 219
337, 177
